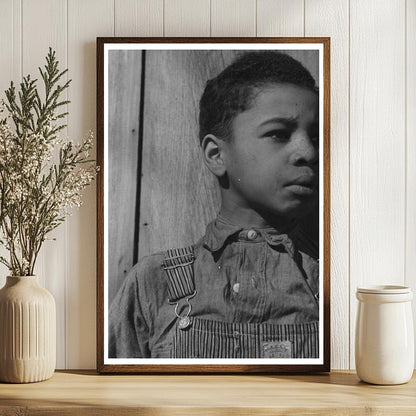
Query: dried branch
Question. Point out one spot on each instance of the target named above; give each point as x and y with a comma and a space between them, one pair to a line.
36, 194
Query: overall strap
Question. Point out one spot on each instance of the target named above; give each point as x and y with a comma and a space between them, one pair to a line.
179, 267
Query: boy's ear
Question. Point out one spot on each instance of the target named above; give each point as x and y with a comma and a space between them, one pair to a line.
213, 153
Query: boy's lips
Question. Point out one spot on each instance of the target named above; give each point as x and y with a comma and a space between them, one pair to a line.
303, 186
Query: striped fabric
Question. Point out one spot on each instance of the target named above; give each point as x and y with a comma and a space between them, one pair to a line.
178, 265
213, 339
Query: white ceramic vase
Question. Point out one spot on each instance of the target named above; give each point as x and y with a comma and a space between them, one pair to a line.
384, 341
27, 331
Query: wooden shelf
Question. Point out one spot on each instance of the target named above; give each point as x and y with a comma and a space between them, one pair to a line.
86, 393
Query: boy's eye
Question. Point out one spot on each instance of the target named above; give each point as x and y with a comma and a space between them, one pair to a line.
279, 135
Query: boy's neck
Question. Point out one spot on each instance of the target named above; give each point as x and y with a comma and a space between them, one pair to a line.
246, 217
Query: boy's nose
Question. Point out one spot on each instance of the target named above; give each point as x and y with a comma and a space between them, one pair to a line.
305, 151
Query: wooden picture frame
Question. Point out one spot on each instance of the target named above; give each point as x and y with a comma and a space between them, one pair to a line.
154, 194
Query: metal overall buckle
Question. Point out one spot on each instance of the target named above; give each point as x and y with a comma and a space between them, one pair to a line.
184, 321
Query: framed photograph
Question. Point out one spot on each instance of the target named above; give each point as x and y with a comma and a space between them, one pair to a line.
213, 205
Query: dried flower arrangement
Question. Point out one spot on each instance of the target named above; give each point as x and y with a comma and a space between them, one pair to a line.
37, 193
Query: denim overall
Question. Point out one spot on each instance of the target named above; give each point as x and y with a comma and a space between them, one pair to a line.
196, 337
237, 293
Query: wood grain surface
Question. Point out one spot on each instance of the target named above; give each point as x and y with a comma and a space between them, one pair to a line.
125, 72
83, 392
179, 196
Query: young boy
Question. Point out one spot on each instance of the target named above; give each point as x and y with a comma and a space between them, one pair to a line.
249, 288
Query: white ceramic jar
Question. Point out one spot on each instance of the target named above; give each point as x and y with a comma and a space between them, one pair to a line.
384, 337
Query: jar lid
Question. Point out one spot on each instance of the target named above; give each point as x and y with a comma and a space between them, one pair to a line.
384, 289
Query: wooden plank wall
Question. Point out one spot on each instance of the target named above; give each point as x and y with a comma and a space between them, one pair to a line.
125, 73
410, 114
377, 146
85, 20
373, 131
331, 18
179, 196
172, 162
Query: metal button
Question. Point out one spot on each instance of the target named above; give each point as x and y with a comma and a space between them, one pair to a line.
236, 287
184, 322
251, 234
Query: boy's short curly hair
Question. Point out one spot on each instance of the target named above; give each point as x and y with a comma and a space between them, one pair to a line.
232, 90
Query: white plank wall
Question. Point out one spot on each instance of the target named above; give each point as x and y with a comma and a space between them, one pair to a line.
138, 17
410, 113
36, 39
85, 20
233, 18
10, 63
280, 18
10, 43
373, 132
377, 146
330, 18
187, 18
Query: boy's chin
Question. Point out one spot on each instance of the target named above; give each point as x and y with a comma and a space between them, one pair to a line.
293, 211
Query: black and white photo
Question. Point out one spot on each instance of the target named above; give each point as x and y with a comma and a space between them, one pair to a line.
214, 214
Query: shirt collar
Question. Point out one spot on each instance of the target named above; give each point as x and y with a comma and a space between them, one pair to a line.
220, 230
